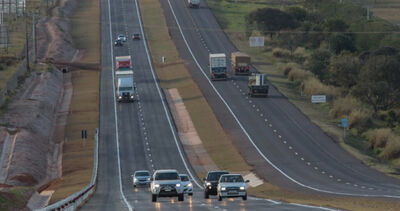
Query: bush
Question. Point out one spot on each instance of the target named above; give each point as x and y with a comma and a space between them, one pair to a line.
344, 106
299, 75
359, 118
392, 149
312, 86
300, 55
288, 67
280, 53
378, 137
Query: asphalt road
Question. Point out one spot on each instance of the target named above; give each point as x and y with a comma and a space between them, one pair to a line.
141, 135
285, 147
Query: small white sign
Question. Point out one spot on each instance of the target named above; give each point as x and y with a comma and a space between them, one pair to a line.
318, 99
256, 41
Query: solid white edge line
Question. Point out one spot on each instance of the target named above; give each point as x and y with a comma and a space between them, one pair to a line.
162, 99
248, 136
115, 110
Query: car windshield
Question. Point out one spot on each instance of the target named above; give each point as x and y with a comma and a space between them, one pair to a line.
231, 178
214, 176
125, 88
167, 176
121, 36
184, 178
142, 173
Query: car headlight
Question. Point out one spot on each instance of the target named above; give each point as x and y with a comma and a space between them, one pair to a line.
223, 189
119, 97
134, 179
242, 188
132, 96
189, 185
156, 185
148, 179
208, 183
178, 185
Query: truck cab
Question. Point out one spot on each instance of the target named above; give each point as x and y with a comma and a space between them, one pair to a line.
125, 89
258, 85
240, 63
218, 66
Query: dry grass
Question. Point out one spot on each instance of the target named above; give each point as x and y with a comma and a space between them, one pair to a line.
299, 75
343, 106
280, 53
313, 86
392, 149
359, 117
175, 75
78, 159
378, 137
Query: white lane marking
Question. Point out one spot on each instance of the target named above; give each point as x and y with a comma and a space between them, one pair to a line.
115, 111
161, 97
248, 136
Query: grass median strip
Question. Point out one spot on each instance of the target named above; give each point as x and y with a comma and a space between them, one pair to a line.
77, 161
174, 74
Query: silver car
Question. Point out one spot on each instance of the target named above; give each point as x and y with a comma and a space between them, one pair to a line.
232, 185
187, 184
141, 177
166, 183
121, 37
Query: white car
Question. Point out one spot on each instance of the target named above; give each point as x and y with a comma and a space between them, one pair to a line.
187, 184
166, 183
232, 185
141, 177
121, 37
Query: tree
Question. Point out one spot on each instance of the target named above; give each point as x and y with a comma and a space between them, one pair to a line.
319, 64
344, 70
335, 25
298, 13
379, 84
339, 42
270, 21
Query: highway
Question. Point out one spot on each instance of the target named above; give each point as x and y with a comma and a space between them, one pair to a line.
283, 145
141, 135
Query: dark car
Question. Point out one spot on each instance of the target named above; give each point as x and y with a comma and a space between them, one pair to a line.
211, 182
136, 37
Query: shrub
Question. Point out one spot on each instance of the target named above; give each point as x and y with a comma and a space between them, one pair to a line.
300, 55
312, 86
344, 106
298, 75
280, 53
359, 118
392, 149
378, 137
288, 67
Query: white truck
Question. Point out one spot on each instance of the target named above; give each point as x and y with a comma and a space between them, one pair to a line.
194, 3
258, 85
218, 66
125, 89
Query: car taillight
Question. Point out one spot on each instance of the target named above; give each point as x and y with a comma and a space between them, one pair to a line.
247, 68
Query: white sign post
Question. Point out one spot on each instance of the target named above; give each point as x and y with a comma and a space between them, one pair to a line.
318, 99
256, 41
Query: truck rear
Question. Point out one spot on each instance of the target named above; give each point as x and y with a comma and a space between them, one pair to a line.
123, 63
194, 3
125, 89
240, 63
218, 66
258, 85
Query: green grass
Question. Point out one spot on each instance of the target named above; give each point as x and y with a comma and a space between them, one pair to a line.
14, 198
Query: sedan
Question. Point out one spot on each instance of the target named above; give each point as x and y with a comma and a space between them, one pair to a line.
141, 177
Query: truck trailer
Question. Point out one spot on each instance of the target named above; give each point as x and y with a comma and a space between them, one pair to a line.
125, 89
218, 66
258, 85
240, 63
123, 63
194, 3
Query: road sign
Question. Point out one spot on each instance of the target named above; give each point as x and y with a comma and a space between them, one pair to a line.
318, 99
256, 41
344, 122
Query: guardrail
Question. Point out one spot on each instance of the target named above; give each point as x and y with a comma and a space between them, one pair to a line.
75, 200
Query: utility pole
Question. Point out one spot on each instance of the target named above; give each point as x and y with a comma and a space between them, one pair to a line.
27, 43
34, 37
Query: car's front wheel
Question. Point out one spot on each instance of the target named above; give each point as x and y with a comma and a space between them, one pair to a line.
190, 194
206, 195
181, 197
244, 197
153, 197
219, 197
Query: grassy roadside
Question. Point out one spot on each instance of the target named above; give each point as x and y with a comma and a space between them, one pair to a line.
15, 198
175, 75
78, 160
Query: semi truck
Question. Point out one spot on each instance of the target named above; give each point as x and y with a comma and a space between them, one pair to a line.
194, 3
218, 66
258, 85
240, 63
123, 63
125, 89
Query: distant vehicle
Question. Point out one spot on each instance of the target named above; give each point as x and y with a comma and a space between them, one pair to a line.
118, 43
141, 177
194, 3
240, 63
125, 90
258, 85
123, 63
211, 182
232, 185
121, 37
166, 183
187, 184
218, 66
136, 36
